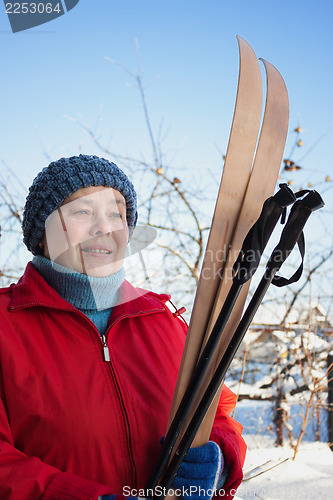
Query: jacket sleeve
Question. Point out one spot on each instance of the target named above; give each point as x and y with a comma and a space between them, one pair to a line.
27, 478
227, 433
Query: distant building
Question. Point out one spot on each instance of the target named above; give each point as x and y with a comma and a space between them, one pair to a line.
318, 318
299, 318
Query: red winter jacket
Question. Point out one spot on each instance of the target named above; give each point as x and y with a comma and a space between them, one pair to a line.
73, 426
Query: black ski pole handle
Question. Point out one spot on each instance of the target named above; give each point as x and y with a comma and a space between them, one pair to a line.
257, 237
289, 238
292, 234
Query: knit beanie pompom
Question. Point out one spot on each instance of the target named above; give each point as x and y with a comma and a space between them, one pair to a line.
63, 177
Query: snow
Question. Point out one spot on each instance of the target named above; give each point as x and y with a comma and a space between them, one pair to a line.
271, 474
288, 362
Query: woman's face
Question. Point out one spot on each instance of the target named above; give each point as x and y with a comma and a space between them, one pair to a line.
88, 232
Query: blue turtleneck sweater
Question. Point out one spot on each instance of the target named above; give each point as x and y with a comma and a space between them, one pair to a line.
95, 297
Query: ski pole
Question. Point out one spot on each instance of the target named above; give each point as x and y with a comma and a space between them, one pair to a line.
245, 267
291, 234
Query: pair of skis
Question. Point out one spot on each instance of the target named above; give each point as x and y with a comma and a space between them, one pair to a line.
249, 177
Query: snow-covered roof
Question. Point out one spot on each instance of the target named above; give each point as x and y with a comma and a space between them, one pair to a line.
273, 314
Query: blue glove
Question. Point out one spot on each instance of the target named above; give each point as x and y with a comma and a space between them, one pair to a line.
200, 472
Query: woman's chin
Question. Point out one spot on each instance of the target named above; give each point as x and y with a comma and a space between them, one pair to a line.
91, 267
103, 271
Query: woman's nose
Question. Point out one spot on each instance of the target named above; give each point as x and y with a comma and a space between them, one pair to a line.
100, 225
106, 224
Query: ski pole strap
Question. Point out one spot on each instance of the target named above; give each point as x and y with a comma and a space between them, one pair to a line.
259, 234
292, 234
280, 281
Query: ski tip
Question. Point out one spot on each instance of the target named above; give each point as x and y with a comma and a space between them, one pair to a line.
271, 71
270, 68
276, 99
267, 64
249, 59
243, 43
240, 39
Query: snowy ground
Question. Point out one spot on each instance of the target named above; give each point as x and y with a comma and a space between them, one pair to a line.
271, 474
269, 471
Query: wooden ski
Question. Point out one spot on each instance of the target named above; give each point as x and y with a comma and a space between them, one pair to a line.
236, 173
261, 185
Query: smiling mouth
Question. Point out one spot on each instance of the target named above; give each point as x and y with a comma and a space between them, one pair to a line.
96, 250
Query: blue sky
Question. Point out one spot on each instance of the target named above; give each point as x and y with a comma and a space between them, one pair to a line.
189, 56
190, 59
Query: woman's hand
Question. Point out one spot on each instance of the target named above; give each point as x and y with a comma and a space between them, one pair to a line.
198, 475
200, 472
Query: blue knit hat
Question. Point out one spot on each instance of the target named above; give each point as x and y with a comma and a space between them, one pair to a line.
59, 180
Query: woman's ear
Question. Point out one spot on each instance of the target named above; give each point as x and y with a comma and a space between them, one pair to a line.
43, 245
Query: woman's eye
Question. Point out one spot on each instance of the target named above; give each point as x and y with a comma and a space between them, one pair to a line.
81, 212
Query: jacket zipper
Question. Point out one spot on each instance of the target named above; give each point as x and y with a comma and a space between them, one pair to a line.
125, 420
106, 352
106, 356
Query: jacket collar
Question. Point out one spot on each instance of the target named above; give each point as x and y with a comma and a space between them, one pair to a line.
32, 290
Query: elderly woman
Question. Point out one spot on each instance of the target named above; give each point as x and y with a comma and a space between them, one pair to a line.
88, 363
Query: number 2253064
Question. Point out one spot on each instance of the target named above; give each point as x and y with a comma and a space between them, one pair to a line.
33, 8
